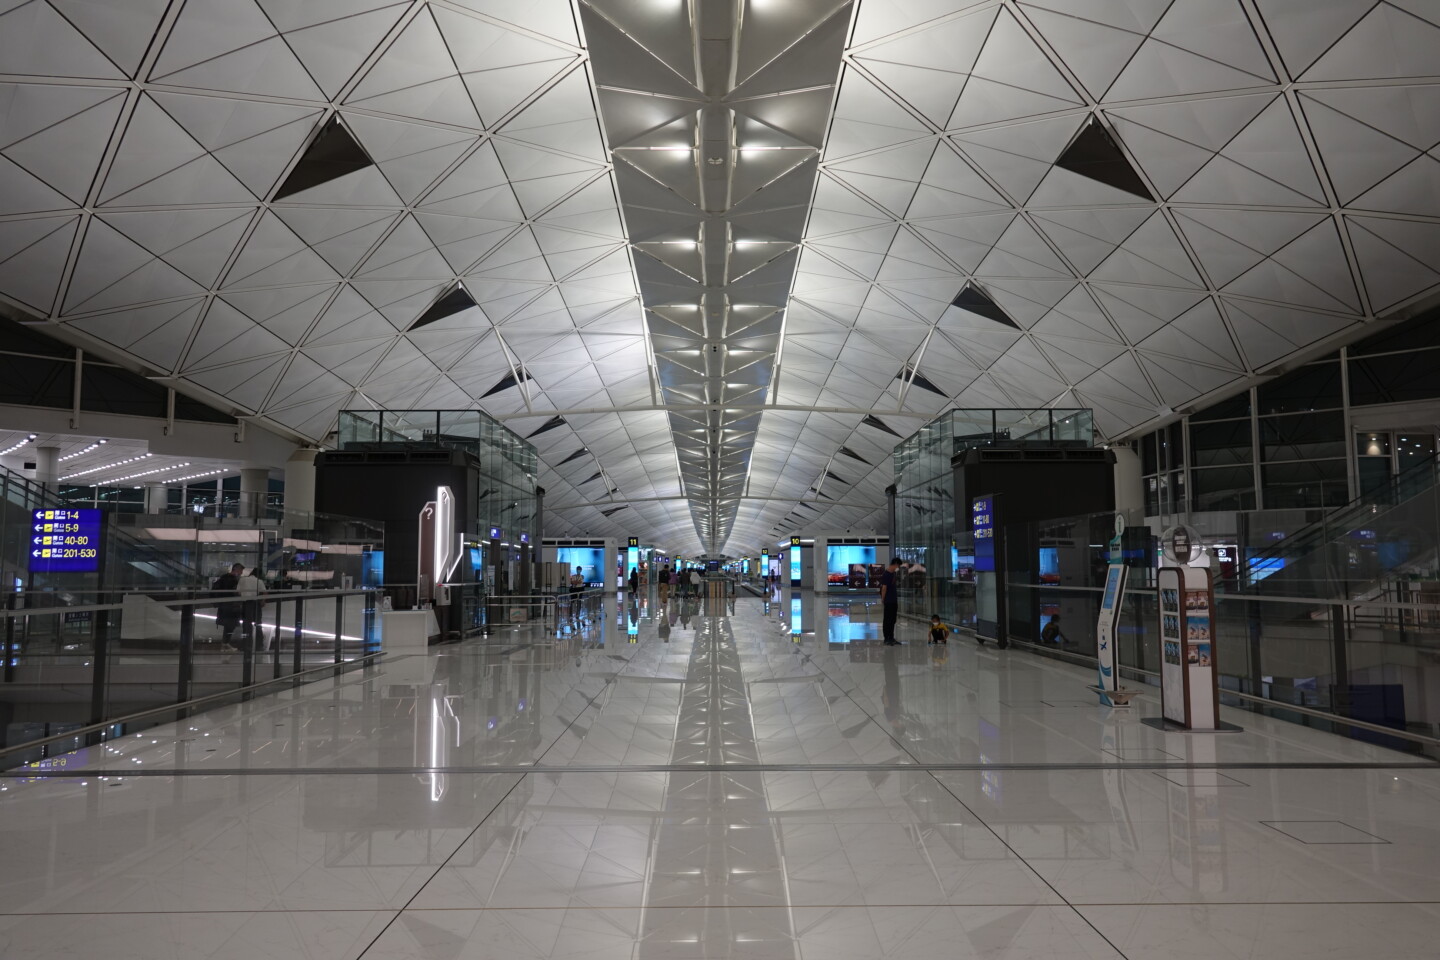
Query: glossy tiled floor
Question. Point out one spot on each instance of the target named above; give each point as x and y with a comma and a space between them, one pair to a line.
693, 782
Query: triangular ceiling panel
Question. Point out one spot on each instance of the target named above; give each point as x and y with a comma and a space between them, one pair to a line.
843, 179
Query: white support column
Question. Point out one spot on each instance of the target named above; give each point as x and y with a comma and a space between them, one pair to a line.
157, 498
47, 466
254, 483
1129, 487
300, 485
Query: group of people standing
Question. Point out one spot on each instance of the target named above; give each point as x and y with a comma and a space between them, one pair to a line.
686, 582
242, 598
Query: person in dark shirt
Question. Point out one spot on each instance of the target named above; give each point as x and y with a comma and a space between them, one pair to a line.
890, 600
227, 614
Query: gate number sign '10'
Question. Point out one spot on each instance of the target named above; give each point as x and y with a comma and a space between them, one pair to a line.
65, 541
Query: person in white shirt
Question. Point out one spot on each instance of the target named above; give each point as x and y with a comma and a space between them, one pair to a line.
252, 602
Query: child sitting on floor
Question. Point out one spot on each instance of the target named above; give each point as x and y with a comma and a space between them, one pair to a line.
938, 630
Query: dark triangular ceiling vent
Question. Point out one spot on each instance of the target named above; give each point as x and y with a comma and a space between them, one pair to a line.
509, 380
831, 476
455, 300
974, 300
614, 510
550, 424
331, 155
853, 455
1095, 154
807, 506
918, 379
874, 421
595, 476
574, 456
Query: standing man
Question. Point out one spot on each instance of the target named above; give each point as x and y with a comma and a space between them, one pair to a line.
695, 581
664, 579
227, 614
890, 600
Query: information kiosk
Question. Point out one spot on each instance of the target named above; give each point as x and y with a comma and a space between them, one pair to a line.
1189, 688
1111, 602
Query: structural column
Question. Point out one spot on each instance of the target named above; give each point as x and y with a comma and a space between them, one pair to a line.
1129, 483
47, 466
300, 486
254, 483
157, 499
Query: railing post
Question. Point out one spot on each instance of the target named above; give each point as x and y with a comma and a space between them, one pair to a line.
1340, 699
185, 668
299, 629
10, 599
100, 665
275, 650
247, 649
339, 624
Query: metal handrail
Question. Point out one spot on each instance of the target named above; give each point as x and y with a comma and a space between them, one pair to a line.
222, 597
1085, 660
1246, 598
182, 705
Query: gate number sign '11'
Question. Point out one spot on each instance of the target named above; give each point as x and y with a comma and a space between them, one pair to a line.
65, 541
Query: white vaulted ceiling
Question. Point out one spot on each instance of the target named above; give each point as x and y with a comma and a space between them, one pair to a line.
1288, 152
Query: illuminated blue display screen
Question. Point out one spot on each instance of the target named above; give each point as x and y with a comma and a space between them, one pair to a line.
65, 541
982, 522
590, 560
794, 564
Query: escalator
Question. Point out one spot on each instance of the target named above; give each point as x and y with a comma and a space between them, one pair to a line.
1353, 552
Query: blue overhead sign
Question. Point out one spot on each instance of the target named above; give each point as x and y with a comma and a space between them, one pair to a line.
982, 524
65, 541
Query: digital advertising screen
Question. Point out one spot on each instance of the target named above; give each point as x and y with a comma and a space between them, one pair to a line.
795, 564
1049, 565
963, 564
590, 560
850, 565
65, 541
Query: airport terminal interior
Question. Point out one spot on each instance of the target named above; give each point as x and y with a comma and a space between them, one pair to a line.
689, 479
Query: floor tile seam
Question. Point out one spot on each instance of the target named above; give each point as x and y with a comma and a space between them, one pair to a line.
730, 906
19, 773
1028, 865
443, 864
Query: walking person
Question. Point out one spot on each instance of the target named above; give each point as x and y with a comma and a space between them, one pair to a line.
634, 581
664, 578
890, 600
695, 581
577, 591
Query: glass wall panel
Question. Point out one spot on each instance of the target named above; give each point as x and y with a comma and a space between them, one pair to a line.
1396, 378
1315, 386
1219, 443
1223, 488
1305, 483
1308, 436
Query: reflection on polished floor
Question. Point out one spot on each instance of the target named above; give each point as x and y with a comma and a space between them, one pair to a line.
748, 778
